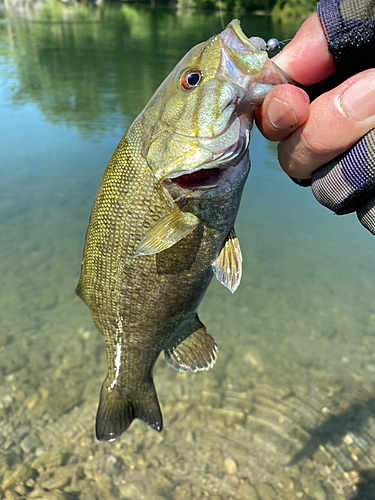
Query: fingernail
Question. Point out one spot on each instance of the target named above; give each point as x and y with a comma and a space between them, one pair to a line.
281, 115
358, 101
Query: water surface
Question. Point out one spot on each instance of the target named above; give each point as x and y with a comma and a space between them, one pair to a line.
288, 410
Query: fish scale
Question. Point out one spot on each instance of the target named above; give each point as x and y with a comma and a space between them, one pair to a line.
161, 226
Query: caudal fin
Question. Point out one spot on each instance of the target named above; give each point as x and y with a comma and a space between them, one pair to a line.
117, 411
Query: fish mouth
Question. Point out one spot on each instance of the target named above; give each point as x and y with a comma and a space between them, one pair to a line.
205, 178
224, 155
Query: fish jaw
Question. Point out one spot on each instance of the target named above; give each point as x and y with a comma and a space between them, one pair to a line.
245, 61
205, 127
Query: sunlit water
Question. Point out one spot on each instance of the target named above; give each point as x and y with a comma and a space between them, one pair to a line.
288, 410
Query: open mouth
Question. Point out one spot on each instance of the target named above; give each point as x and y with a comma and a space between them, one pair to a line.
200, 179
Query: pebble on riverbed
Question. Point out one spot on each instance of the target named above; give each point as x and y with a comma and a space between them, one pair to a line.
246, 492
230, 465
19, 476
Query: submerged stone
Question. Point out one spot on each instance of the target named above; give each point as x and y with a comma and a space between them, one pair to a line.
230, 465
246, 492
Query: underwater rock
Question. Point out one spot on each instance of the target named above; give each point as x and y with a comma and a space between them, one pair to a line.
52, 495
182, 492
31, 401
6, 402
129, 492
12, 364
114, 465
311, 485
190, 437
230, 465
223, 416
246, 492
11, 495
60, 478
18, 476
20, 490
48, 459
253, 358
266, 492
30, 443
285, 482
73, 396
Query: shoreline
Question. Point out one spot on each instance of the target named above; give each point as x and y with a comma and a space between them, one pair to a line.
39, 4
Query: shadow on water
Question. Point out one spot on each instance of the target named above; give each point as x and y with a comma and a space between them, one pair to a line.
336, 427
352, 422
366, 487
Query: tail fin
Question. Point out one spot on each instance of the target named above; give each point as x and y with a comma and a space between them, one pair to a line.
117, 411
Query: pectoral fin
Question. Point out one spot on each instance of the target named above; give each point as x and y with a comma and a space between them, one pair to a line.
195, 350
167, 232
228, 265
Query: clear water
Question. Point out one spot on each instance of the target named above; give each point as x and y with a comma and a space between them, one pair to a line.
288, 410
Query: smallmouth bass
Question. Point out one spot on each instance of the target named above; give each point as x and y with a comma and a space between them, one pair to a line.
163, 218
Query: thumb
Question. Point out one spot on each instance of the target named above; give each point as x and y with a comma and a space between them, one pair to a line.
306, 58
337, 120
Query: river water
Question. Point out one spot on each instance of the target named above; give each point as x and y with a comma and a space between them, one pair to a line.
288, 410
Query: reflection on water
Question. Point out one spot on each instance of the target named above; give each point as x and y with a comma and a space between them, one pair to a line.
83, 66
287, 412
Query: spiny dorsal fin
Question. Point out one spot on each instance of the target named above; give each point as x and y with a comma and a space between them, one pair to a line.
196, 351
167, 232
228, 265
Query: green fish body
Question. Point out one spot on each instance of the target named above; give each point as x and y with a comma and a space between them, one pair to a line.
162, 222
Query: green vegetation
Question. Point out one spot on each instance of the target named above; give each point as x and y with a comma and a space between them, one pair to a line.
93, 67
293, 8
279, 8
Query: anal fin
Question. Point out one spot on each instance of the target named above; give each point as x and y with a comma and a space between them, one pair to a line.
167, 232
117, 411
228, 264
195, 351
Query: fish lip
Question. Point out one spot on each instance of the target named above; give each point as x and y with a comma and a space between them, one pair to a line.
236, 26
245, 60
233, 34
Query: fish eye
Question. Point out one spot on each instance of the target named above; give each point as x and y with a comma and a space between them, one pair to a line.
191, 78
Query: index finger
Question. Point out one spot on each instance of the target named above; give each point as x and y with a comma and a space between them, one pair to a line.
306, 58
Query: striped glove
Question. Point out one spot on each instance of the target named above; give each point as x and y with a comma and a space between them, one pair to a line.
347, 183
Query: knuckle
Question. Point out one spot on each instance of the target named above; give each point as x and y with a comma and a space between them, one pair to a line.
315, 142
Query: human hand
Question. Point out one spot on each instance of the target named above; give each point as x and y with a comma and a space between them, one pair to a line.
312, 136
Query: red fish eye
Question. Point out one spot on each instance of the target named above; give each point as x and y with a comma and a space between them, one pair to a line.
191, 79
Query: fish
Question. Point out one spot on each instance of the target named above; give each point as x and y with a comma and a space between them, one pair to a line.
162, 222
